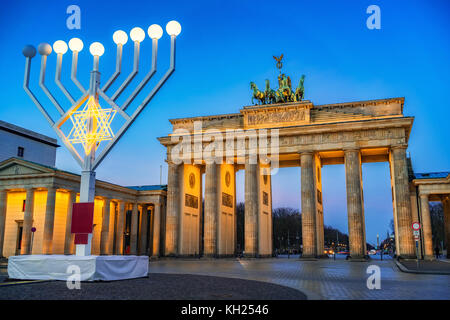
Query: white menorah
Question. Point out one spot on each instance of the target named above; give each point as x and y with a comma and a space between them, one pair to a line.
91, 125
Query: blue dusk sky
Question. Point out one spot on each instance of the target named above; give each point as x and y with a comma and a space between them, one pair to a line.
226, 44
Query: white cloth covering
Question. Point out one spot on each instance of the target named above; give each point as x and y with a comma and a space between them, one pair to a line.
61, 267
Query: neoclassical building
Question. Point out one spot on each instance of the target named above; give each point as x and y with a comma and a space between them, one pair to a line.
307, 136
127, 220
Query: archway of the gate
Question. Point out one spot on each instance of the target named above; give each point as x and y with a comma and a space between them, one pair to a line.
297, 135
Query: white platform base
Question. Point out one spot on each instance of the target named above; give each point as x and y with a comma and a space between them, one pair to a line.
91, 268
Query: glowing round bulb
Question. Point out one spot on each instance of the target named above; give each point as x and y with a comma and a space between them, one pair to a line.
137, 34
173, 28
60, 47
120, 37
155, 31
97, 49
76, 44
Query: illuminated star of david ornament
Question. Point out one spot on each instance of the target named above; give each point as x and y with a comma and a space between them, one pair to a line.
91, 115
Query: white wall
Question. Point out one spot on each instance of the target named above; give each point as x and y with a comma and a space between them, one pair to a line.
33, 150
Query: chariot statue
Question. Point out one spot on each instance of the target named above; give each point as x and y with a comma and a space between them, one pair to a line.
284, 93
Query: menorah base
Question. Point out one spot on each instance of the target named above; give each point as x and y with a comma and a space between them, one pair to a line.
73, 268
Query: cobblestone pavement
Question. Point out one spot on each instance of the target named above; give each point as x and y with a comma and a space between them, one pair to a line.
155, 287
323, 279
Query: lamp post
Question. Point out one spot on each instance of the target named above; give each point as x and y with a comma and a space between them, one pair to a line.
91, 125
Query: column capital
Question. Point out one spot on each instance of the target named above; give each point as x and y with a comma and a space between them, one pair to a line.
306, 152
424, 195
399, 147
351, 149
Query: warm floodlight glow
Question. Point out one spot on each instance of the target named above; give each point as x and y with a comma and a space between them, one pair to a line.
173, 28
137, 34
97, 49
60, 47
120, 37
76, 44
101, 130
155, 31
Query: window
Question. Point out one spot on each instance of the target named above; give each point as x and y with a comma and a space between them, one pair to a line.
23, 205
20, 151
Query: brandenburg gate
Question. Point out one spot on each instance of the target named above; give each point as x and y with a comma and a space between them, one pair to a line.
297, 133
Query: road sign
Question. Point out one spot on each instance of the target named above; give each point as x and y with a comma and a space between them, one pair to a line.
416, 225
33, 229
416, 233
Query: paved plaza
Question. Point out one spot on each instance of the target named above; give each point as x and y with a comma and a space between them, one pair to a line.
180, 279
323, 279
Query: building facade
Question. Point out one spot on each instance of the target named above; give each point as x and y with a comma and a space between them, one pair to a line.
25, 144
303, 135
127, 220
189, 217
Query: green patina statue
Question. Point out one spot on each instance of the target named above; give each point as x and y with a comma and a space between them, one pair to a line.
270, 94
300, 91
257, 94
284, 93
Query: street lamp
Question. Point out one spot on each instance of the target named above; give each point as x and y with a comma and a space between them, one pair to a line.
91, 124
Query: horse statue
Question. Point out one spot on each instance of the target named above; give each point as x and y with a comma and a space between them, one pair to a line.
270, 94
257, 94
285, 91
300, 91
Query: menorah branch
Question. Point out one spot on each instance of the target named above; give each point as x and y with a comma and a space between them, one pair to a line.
58, 79
44, 88
73, 75
118, 68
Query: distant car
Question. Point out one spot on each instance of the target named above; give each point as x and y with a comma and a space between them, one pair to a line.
372, 252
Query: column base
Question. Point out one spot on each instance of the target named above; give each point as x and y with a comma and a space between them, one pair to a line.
357, 258
308, 258
429, 258
250, 255
406, 257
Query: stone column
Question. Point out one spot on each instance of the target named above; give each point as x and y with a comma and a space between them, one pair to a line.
426, 226
27, 222
143, 230
68, 239
446, 207
355, 206
120, 227
173, 210
104, 238
251, 208
211, 216
49, 221
3, 207
308, 205
156, 228
134, 229
406, 248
